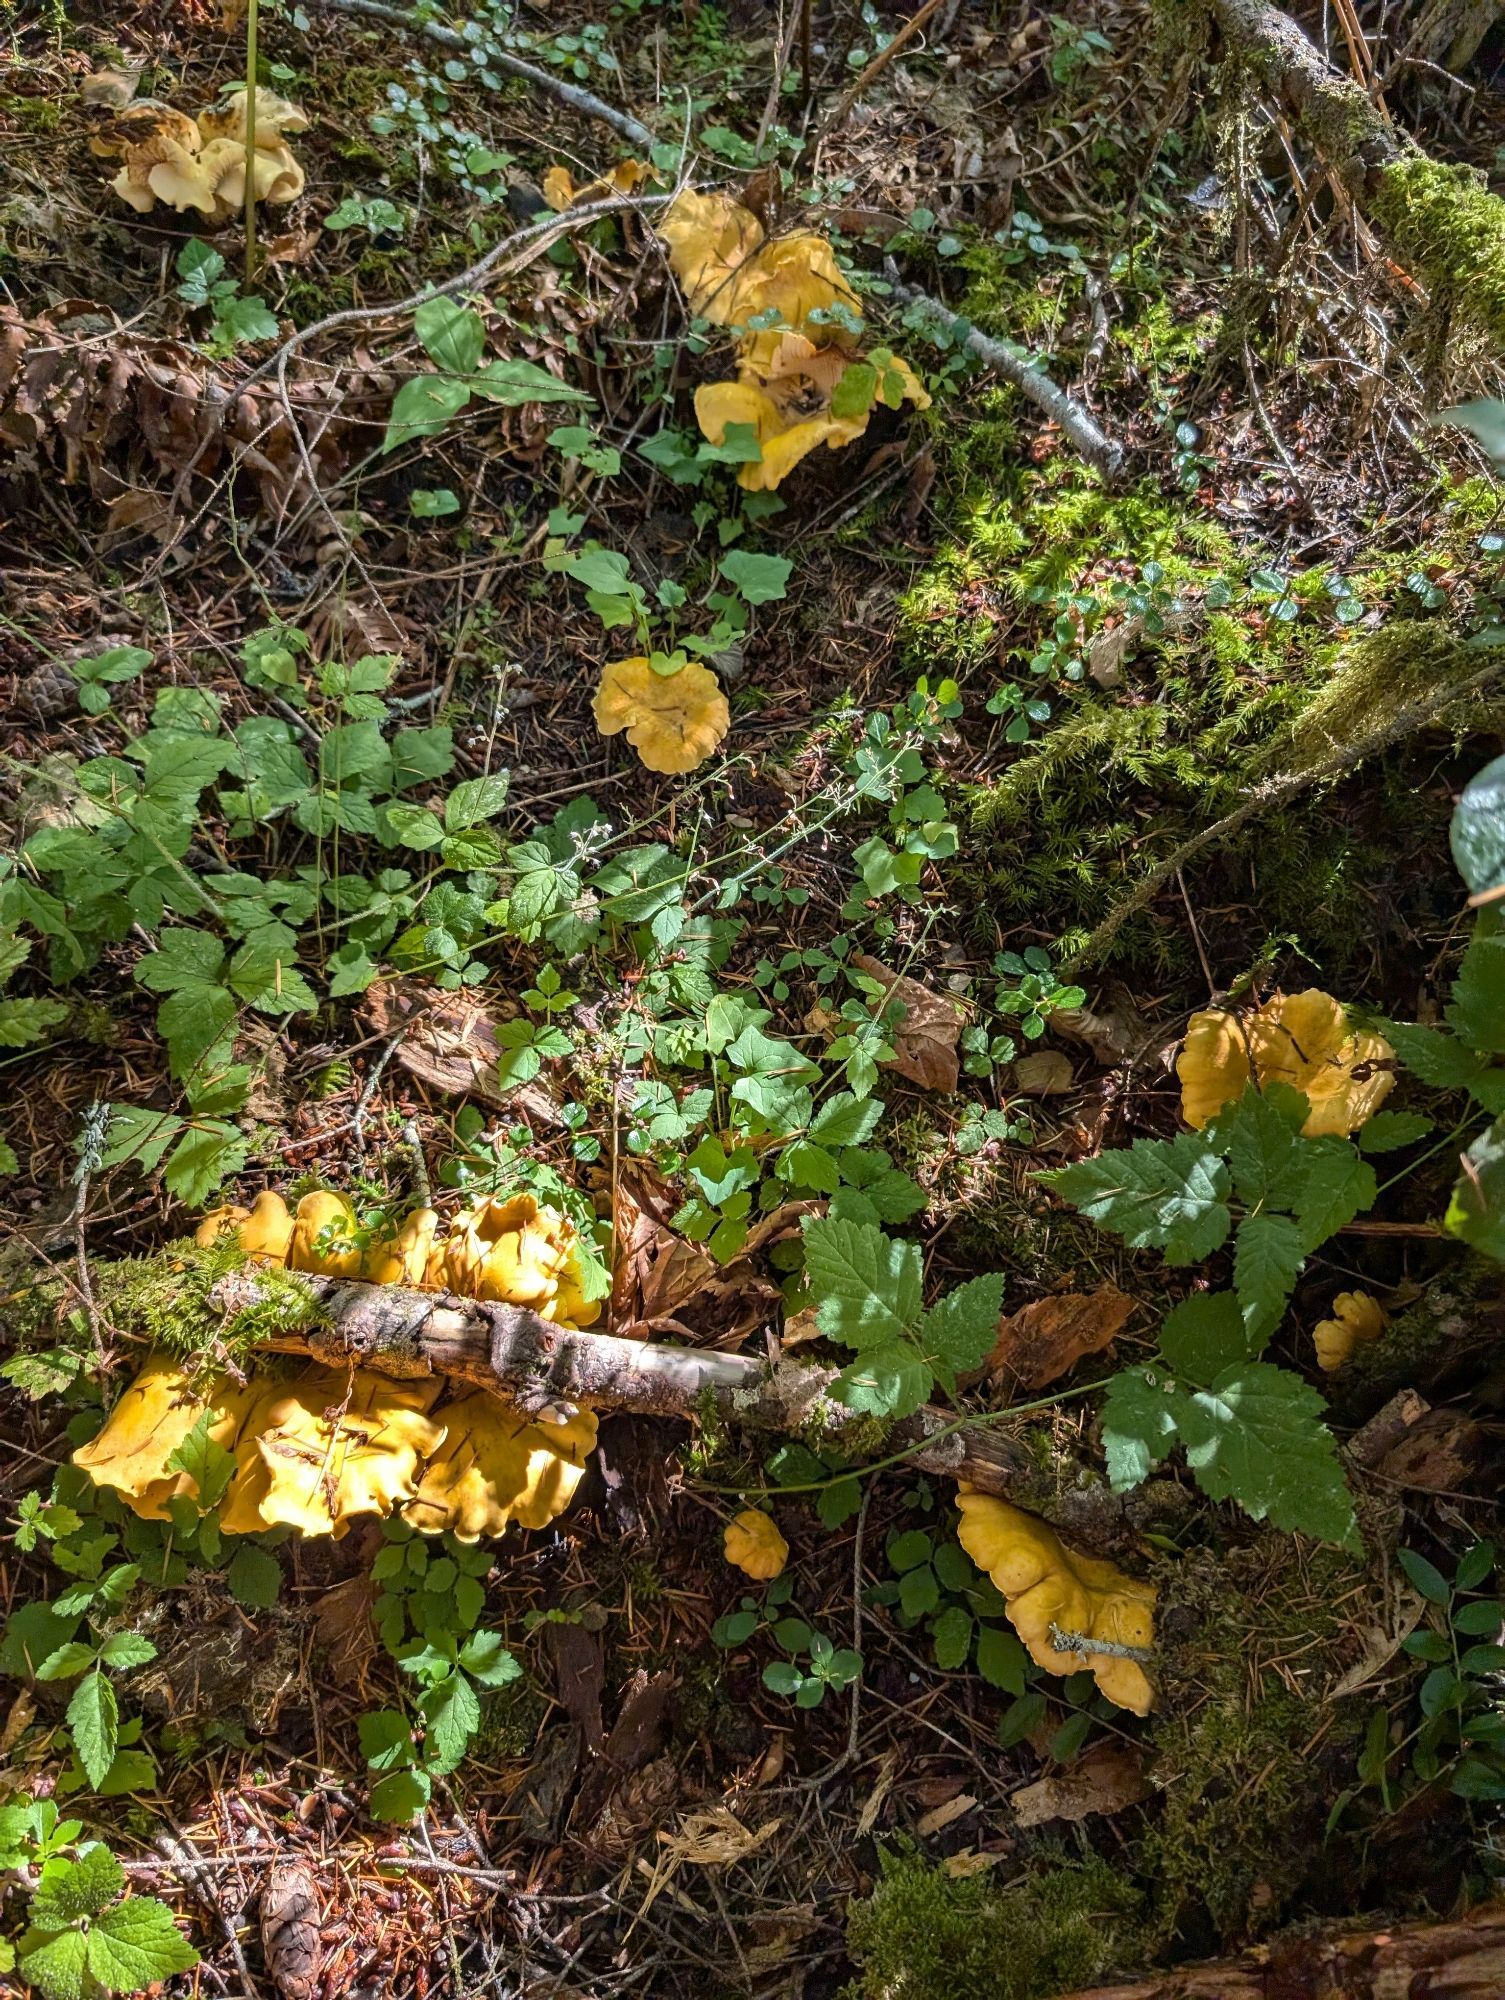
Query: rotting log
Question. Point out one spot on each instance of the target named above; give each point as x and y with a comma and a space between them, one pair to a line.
536, 1365
1441, 222
1449, 1961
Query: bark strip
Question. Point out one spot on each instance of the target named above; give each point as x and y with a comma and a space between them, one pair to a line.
535, 1364
1451, 1961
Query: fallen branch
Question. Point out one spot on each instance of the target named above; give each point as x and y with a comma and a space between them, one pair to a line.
1440, 221
536, 1365
1456, 1961
1014, 366
584, 101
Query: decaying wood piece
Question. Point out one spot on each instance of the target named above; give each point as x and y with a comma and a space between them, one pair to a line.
1456, 1961
1441, 222
449, 1040
538, 1365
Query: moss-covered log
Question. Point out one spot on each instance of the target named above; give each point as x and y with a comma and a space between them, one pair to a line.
1441, 222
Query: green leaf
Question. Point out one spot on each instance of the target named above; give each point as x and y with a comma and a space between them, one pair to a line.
952, 1635
866, 1285
453, 1714
1257, 1437
1204, 1335
856, 391
413, 825
72, 1889
1169, 1194
254, 1577
55, 1966
385, 1738
1476, 1211
1139, 1425
1477, 1010
486, 1659
1267, 1257
422, 407
136, 1944
208, 1153
1477, 835
207, 1463
451, 335
1424, 1576
514, 383
183, 958
1441, 1060
887, 1380
400, 1797
1332, 1185
846, 1120
23, 1022
958, 1332
760, 579
1388, 1131
65, 1661
127, 1649
1259, 1136
476, 800
94, 1718
1001, 1660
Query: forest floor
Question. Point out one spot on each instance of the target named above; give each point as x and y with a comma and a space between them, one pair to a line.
261, 658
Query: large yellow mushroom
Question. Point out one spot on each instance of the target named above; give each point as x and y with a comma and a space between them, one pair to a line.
1046, 1585
201, 163
496, 1467
1300, 1039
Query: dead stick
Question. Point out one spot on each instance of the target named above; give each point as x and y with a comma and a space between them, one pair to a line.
536, 1365
879, 62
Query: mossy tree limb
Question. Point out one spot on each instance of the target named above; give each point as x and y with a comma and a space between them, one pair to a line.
1440, 221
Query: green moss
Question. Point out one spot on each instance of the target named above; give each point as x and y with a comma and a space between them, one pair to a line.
1243, 1800
1369, 681
165, 1298
921, 1935
511, 1718
1448, 228
32, 114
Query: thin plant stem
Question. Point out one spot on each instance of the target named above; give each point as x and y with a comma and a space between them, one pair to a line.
252, 23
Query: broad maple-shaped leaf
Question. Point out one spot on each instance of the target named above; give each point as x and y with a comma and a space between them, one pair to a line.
866, 1285
1164, 1194
1257, 1436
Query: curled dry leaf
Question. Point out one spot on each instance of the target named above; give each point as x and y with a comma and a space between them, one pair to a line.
1300, 1039
1047, 1585
1037, 1344
673, 721
1043, 1073
1357, 1318
1104, 1779
751, 1541
926, 1035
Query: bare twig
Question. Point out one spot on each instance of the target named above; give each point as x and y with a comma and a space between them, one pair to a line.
879, 63
91, 1146
1077, 423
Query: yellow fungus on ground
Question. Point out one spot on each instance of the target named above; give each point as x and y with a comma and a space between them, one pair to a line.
673, 721
1300, 1039
497, 1466
752, 1542
1357, 1318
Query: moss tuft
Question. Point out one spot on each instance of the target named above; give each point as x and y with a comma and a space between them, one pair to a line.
165, 1298
922, 1935
1448, 228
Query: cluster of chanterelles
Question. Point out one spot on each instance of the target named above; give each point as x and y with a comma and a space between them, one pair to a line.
198, 163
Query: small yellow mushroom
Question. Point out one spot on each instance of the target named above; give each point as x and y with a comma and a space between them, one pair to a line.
673, 721
402, 1257
496, 1466
1357, 1318
322, 1237
220, 1222
264, 1229
752, 1542
1047, 1585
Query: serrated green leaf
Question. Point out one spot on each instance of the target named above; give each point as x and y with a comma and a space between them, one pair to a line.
254, 1577
1167, 1194
959, 1331
206, 1462
1204, 1335
23, 1022
1139, 1425
1268, 1253
1259, 1136
72, 1889
413, 825
1477, 1009
486, 1659
952, 1637
55, 1966
453, 1715
1257, 1437
94, 1718
866, 1285
209, 1152
1001, 1660
846, 1120
136, 1944
887, 1380
475, 801
127, 1649
1388, 1131
1446, 1063
400, 1797
1476, 1211
1333, 1184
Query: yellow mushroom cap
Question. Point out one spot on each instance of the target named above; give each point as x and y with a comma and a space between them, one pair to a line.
1044, 1583
219, 1222
151, 1419
1357, 1317
316, 1452
751, 1540
496, 1467
402, 1257
322, 1234
1300, 1039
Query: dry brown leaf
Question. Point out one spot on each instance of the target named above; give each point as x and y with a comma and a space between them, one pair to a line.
1104, 1779
1037, 1344
449, 1041
1043, 1073
926, 1035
